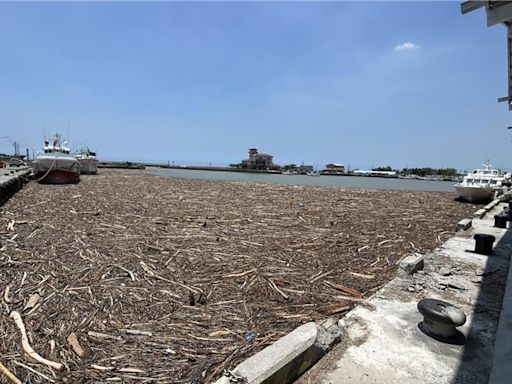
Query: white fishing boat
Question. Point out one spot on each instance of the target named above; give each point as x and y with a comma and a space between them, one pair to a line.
483, 184
313, 173
55, 165
88, 161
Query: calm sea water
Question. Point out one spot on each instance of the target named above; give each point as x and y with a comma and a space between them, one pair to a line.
322, 181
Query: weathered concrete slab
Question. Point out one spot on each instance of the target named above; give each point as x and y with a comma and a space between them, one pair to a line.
289, 357
480, 213
464, 224
274, 358
381, 341
491, 205
412, 263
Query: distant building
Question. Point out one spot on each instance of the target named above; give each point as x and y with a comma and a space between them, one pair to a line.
334, 169
303, 169
258, 160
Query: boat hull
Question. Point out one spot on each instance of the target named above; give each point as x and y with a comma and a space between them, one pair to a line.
474, 194
89, 166
57, 170
58, 177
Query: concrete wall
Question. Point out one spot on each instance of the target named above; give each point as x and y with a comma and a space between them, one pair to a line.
11, 181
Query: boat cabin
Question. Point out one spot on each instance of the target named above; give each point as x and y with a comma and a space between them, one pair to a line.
483, 181
484, 177
56, 147
487, 172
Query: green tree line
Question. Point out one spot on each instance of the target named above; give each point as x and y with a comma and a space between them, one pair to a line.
425, 171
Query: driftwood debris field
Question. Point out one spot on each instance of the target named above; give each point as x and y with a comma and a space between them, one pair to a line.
133, 278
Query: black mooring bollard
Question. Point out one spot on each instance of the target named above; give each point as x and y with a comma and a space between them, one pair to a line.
440, 318
484, 243
500, 221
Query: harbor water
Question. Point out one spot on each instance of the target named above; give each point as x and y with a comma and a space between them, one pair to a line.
321, 181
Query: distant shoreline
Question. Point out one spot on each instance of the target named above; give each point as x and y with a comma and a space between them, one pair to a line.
130, 165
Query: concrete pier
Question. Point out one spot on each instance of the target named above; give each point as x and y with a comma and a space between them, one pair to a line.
12, 180
382, 341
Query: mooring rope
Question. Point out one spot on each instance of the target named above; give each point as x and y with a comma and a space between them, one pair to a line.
47, 172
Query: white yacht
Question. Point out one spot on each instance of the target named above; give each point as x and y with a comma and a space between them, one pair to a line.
483, 184
56, 165
88, 161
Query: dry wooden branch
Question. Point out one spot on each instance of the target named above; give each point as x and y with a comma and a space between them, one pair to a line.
132, 275
136, 332
362, 275
49, 379
334, 308
9, 375
6, 295
26, 345
240, 274
276, 288
103, 336
321, 276
101, 368
131, 370
342, 288
359, 250
23, 279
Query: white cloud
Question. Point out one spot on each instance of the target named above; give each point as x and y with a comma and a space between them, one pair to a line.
407, 46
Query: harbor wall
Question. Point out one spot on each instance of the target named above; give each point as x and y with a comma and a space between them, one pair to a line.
12, 180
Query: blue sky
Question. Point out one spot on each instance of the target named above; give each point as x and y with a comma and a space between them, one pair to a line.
366, 83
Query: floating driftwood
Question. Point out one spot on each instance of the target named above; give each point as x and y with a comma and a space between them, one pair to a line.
134, 278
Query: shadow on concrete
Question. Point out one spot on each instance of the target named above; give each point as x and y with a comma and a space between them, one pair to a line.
476, 363
458, 339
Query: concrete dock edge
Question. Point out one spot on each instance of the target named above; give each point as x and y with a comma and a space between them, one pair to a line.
480, 213
464, 224
289, 357
11, 181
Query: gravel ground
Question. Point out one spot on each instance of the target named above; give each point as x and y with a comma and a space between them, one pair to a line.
172, 281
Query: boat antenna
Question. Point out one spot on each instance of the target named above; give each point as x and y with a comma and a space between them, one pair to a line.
43, 126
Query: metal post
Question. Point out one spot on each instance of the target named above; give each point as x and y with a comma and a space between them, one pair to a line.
509, 60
